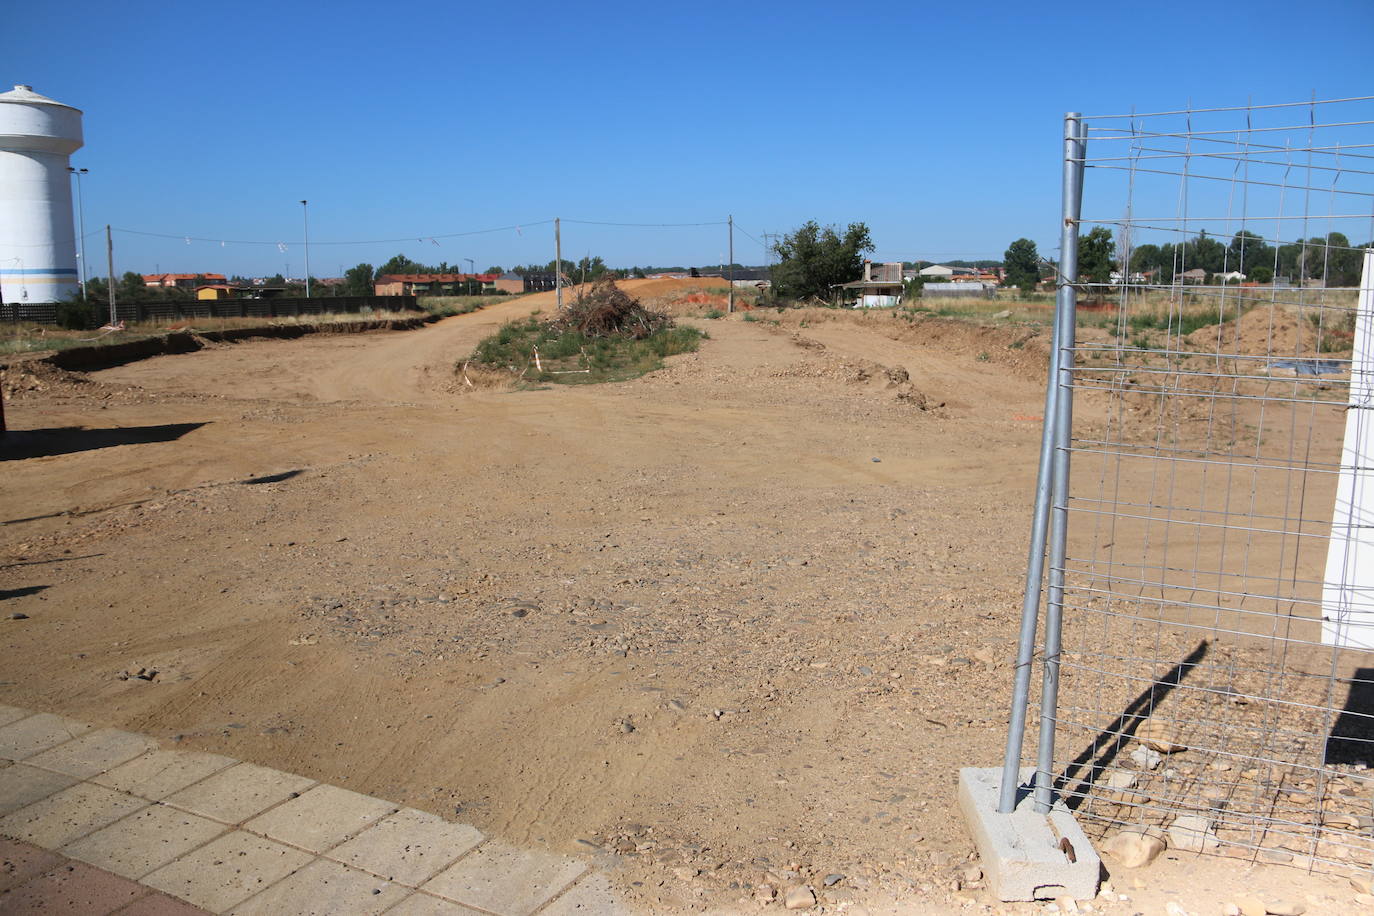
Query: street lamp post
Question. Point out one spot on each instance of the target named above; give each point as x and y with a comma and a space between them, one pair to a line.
81, 211
305, 216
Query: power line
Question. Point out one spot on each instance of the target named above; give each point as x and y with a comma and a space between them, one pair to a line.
747, 235
418, 238
589, 222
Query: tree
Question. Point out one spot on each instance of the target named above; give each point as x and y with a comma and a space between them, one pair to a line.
589, 268
813, 259
1343, 261
1095, 255
131, 287
1247, 251
1022, 264
97, 289
1149, 259
1204, 252
400, 264
495, 270
358, 280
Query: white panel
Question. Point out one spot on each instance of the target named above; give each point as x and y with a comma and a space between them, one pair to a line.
1348, 592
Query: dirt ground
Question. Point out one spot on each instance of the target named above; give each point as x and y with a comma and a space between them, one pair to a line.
735, 623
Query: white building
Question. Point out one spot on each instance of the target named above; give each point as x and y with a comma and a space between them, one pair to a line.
37, 238
937, 270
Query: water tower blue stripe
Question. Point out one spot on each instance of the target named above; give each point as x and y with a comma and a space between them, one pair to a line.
36, 271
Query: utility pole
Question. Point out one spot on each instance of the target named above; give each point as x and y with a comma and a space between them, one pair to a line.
109, 258
731, 306
305, 216
558, 261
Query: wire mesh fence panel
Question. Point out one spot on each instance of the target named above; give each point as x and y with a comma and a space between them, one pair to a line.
1215, 677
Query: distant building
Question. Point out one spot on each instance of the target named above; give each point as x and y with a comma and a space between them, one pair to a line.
218, 291
432, 284
880, 287
985, 277
1196, 275
509, 283
959, 291
1231, 276
539, 282
938, 271
752, 277
181, 281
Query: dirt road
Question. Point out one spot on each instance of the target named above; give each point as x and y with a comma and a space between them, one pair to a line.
737, 622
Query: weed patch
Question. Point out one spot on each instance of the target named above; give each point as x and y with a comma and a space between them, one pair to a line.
605, 336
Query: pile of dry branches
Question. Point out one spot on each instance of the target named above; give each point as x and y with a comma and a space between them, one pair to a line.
607, 311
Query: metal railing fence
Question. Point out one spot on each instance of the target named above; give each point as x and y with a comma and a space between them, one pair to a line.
1200, 591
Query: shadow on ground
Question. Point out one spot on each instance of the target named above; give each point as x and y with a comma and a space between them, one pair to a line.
8, 593
1087, 768
1352, 735
17, 445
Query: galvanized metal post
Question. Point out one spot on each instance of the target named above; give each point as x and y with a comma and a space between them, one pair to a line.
81, 214
1075, 147
1030, 604
109, 257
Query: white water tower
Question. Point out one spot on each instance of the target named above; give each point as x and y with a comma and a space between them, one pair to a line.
37, 239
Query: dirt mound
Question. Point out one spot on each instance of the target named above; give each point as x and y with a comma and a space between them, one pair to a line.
36, 376
1262, 331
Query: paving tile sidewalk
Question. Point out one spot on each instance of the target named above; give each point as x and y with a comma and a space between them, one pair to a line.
34, 880
102, 821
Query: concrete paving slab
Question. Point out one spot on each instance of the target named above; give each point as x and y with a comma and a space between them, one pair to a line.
9, 714
74, 889
425, 905
592, 896
221, 875
21, 786
158, 774
21, 861
144, 841
160, 904
504, 879
93, 753
1025, 855
409, 847
324, 888
70, 814
37, 733
239, 793
321, 818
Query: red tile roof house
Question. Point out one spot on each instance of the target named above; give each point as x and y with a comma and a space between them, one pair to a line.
184, 281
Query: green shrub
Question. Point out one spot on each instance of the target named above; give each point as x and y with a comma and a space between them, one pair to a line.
1173, 322
76, 315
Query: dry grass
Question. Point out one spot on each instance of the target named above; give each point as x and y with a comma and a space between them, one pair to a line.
28, 337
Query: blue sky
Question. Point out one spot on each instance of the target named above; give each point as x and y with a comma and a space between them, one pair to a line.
936, 124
